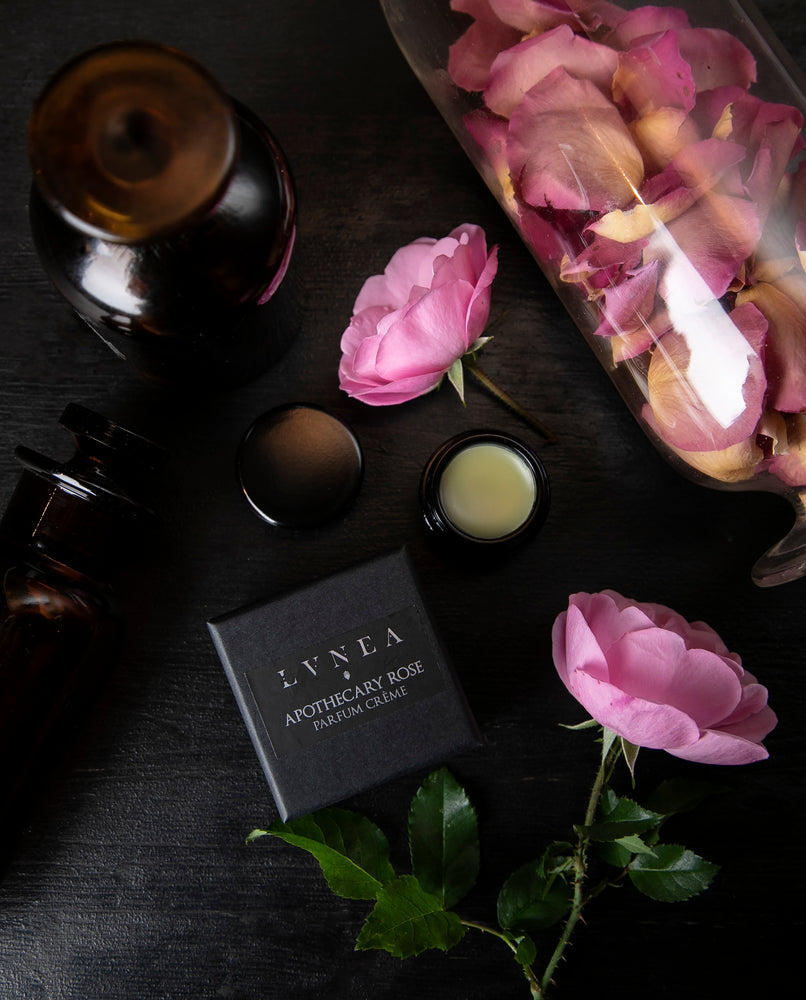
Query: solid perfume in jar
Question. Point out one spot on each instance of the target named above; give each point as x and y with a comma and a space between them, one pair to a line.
164, 212
484, 491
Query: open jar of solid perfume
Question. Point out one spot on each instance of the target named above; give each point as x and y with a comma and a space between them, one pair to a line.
484, 492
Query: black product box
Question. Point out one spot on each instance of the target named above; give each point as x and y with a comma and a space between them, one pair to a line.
343, 684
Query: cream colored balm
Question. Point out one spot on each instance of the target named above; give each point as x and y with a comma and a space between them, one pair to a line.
487, 490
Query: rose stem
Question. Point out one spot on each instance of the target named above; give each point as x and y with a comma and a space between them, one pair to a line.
580, 864
472, 366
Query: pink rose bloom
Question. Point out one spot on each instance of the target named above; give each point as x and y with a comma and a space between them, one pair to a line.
411, 323
659, 681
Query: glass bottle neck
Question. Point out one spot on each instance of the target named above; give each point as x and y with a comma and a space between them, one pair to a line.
86, 514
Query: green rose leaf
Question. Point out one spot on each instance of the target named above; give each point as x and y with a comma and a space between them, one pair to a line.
619, 817
614, 853
678, 795
672, 874
407, 920
634, 845
526, 952
444, 838
351, 850
557, 858
531, 900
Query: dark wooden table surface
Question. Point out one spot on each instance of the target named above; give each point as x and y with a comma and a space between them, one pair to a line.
133, 880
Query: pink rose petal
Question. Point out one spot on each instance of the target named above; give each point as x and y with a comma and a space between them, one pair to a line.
711, 408
715, 235
534, 15
654, 75
785, 355
516, 70
644, 21
568, 148
655, 665
627, 306
642, 722
473, 53
717, 58
411, 323
428, 336
659, 681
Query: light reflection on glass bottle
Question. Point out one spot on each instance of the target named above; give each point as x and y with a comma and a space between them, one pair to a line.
164, 212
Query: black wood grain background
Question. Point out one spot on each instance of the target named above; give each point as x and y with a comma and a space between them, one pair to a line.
133, 881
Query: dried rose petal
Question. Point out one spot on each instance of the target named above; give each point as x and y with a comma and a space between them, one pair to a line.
568, 148
518, 69
706, 381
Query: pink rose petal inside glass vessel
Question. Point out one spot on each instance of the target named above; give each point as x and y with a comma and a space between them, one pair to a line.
651, 157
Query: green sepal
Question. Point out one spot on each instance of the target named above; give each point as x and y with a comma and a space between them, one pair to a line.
629, 751
407, 920
608, 739
456, 376
476, 346
672, 874
444, 838
352, 851
587, 724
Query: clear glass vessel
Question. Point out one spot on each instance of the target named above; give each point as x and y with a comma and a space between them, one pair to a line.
652, 159
164, 211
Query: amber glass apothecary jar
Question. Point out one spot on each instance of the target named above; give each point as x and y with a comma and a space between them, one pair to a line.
164, 212
70, 531
651, 157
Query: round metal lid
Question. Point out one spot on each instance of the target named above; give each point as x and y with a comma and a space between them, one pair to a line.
299, 466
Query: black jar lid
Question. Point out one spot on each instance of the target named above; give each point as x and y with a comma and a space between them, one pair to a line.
299, 466
484, 492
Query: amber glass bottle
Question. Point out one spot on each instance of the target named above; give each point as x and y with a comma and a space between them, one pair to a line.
164, 212
68, 528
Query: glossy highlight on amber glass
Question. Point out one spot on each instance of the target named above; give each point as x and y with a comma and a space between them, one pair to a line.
164, 212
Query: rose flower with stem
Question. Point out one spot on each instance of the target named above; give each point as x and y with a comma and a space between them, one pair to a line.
648, 678
423, 319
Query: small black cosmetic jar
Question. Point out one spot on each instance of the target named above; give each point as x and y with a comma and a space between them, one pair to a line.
299, 466
484, 493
